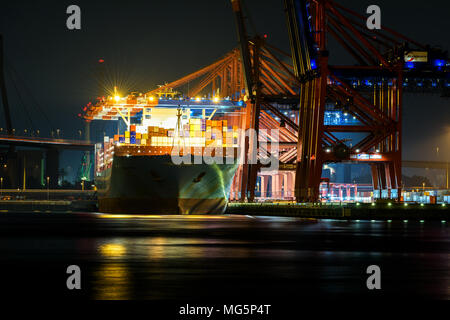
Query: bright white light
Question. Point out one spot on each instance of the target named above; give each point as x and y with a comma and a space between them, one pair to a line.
117, 98
198, 99
216, 99
357, 150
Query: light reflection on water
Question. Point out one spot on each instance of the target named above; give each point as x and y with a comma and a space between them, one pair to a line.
112, 250
154, 248
157, 257
112, 282
165, 255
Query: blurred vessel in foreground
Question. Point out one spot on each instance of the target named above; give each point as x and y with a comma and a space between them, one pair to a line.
135, 172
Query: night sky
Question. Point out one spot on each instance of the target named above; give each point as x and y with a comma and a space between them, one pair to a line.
145, 43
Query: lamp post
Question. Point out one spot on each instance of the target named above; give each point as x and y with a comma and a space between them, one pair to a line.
48, 188
423, 187
1, 187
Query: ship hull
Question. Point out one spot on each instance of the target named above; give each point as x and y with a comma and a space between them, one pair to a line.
155, 185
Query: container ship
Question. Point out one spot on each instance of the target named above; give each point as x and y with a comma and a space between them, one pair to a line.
139, 170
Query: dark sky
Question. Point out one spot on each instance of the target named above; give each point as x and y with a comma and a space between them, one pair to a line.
146, 43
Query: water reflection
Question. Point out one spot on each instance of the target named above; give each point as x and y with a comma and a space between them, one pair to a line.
112, 282
212, 255
112, 250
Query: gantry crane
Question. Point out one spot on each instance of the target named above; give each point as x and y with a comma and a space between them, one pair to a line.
264, 77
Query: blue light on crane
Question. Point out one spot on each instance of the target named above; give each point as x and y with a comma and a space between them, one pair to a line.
313, 64
439, 63
410, 65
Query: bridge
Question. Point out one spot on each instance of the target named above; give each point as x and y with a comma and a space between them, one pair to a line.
46, 143
425, 164
13, 162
